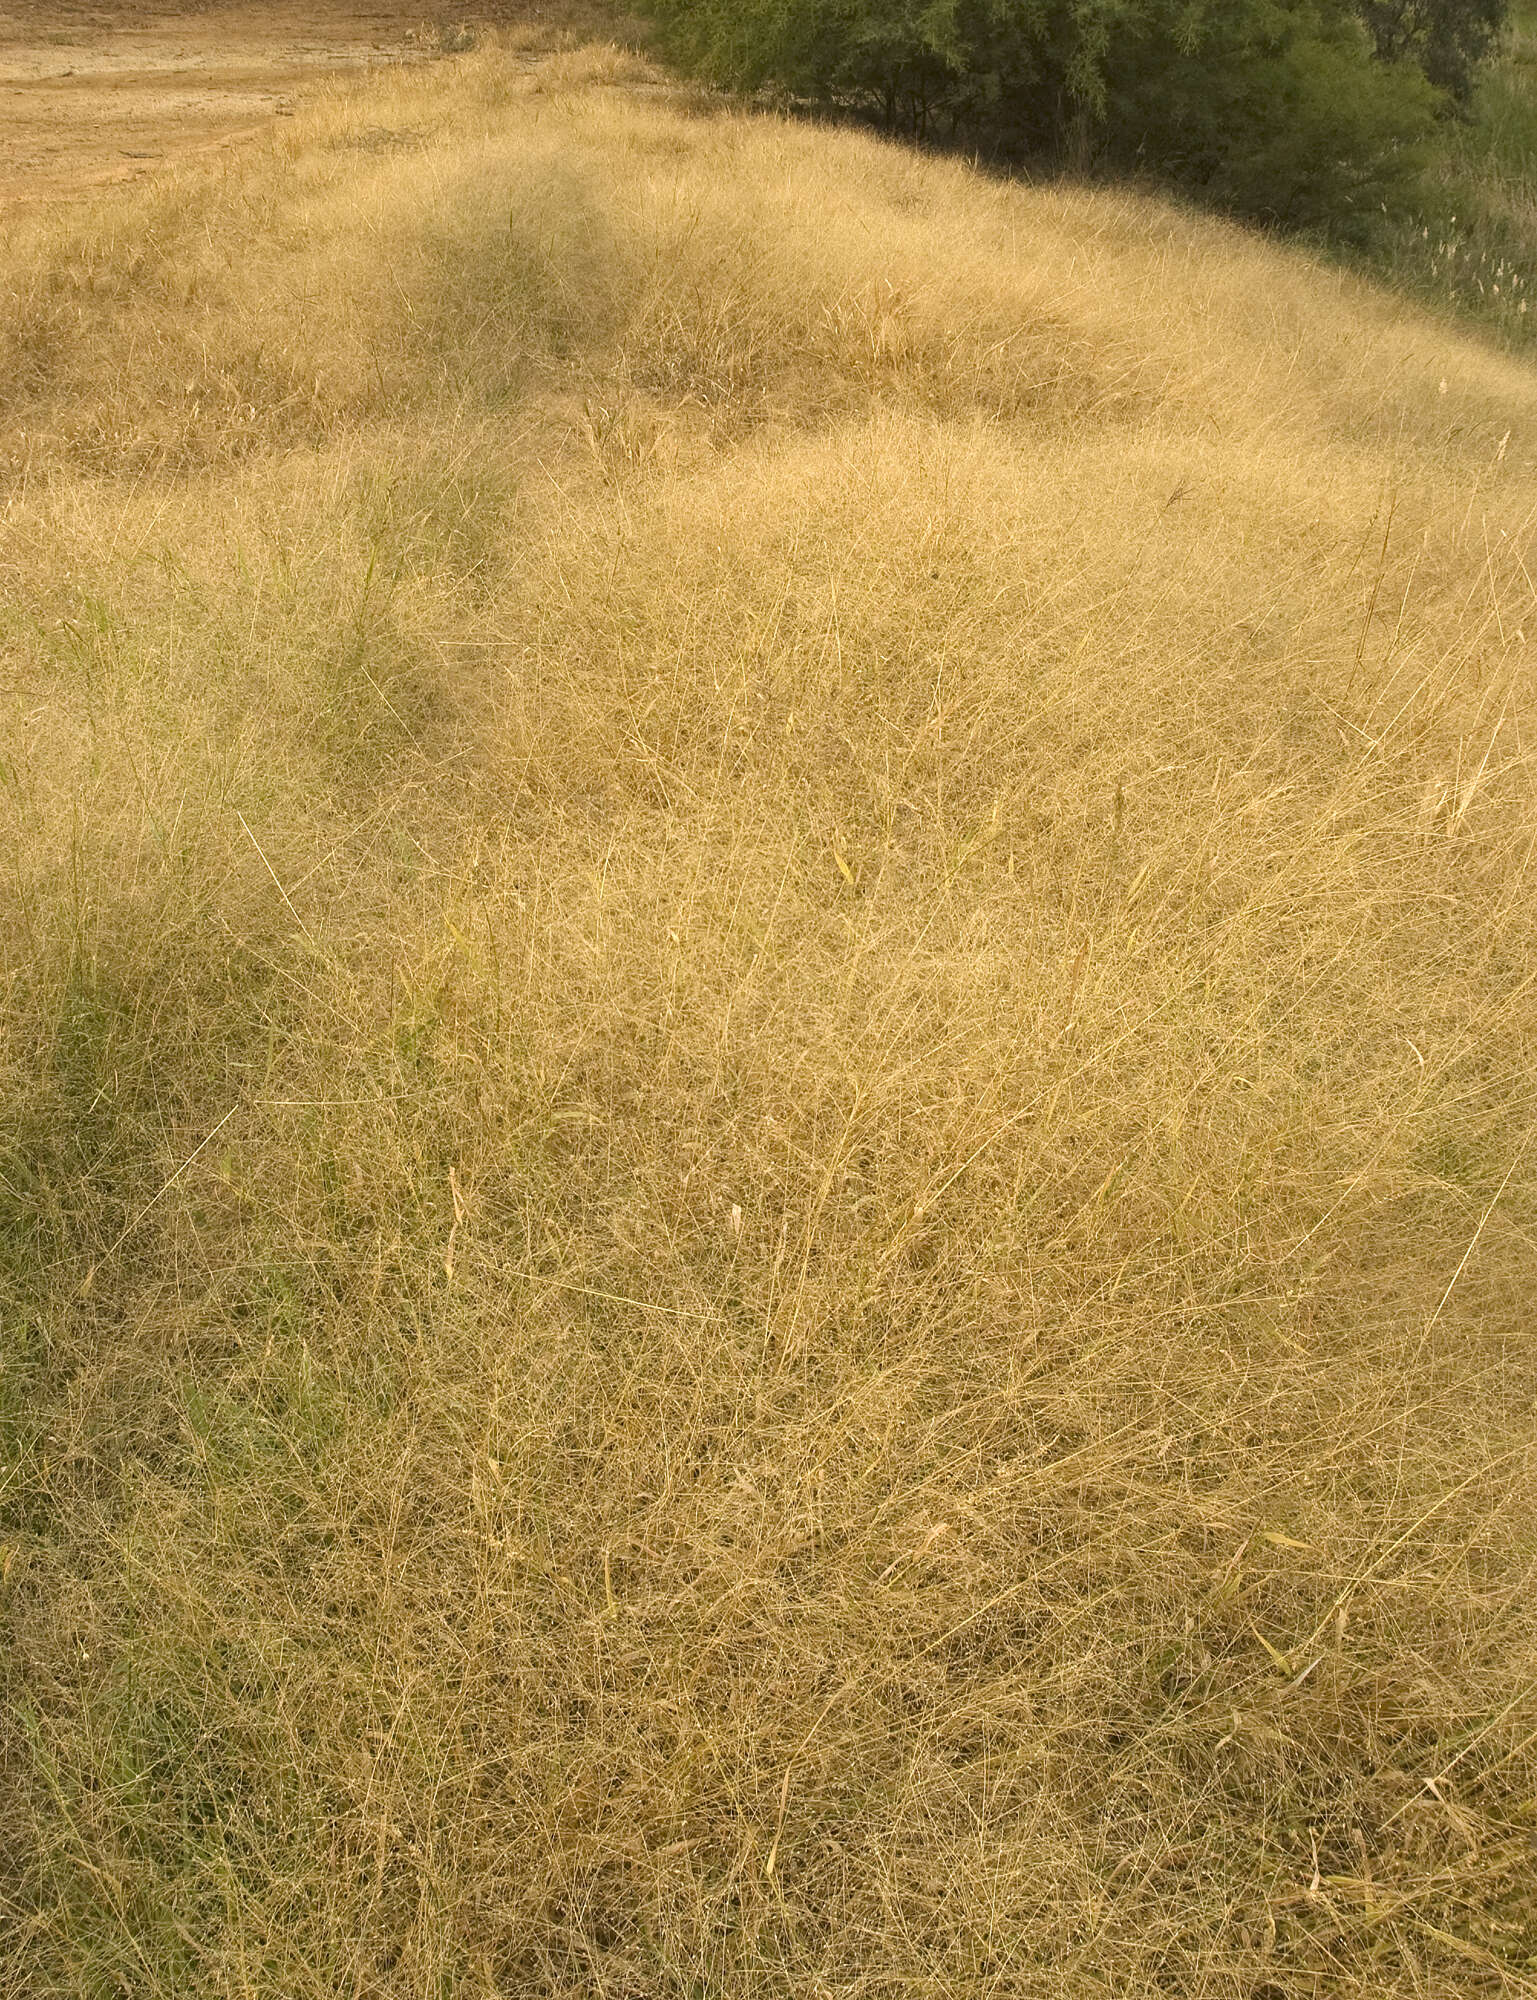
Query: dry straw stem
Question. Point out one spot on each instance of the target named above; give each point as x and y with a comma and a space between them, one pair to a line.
779, 907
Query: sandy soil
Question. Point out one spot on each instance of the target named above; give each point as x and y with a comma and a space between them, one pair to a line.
94, 94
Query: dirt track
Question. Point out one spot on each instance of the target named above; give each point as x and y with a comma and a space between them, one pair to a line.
92, 94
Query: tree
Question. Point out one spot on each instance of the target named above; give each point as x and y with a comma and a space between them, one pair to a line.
1271, 110
1448, 39
1274, 109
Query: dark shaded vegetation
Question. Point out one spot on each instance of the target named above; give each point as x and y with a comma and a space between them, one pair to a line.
1304, 114
1448, 39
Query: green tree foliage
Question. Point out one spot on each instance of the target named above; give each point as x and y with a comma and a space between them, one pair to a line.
1448, 39
1274, 109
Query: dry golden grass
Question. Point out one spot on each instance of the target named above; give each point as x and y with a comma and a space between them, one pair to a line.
767, 1205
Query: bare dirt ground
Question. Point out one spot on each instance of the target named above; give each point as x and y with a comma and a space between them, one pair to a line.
95, 94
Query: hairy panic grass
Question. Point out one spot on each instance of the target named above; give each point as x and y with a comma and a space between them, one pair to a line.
767, 1192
